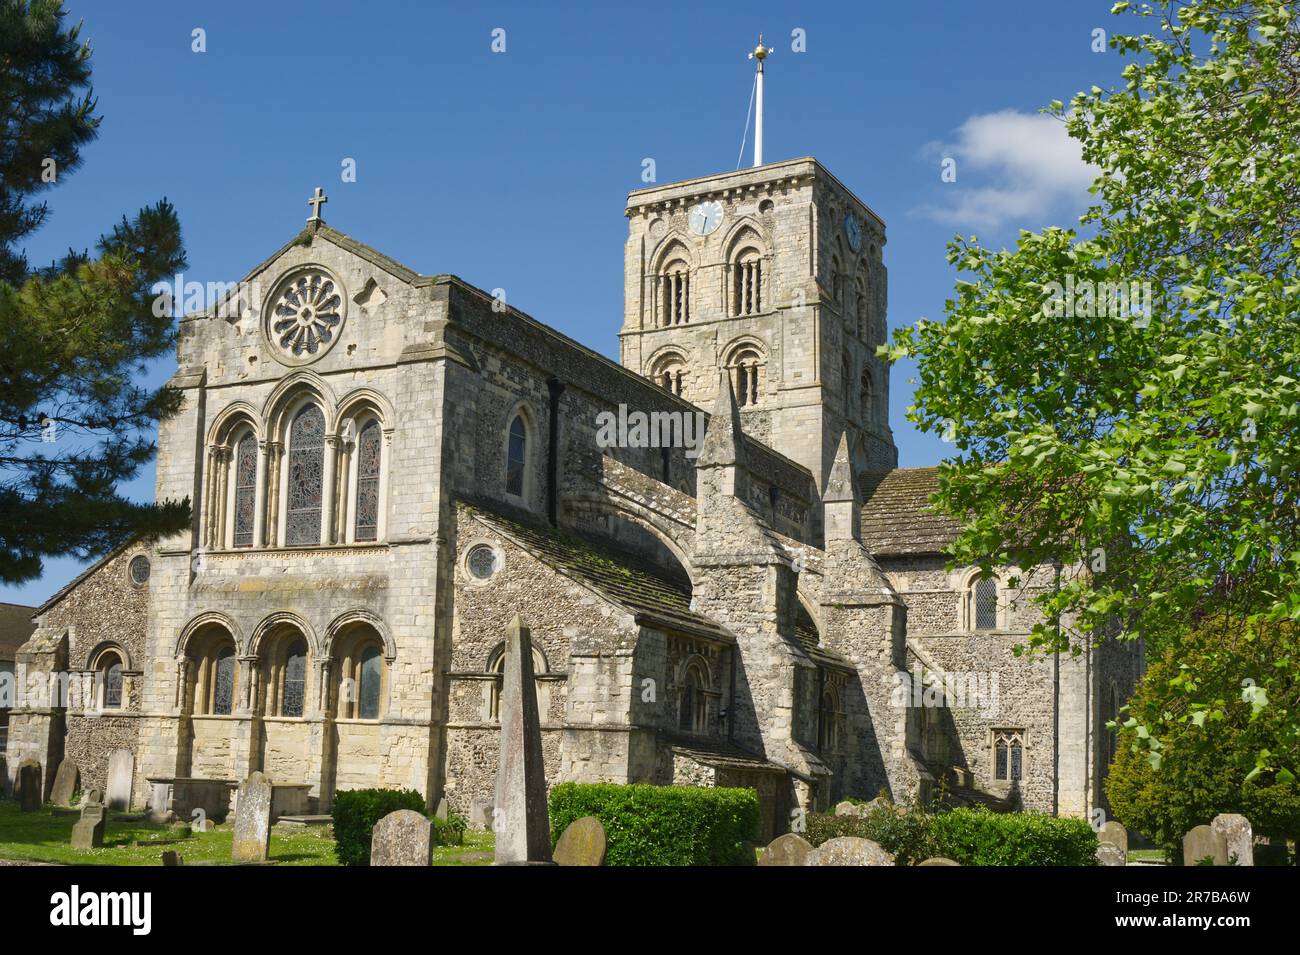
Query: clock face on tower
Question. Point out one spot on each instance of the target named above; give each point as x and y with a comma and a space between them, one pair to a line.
706, 217
853, 231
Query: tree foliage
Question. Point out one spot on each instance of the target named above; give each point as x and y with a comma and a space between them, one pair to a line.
1207, 692
74, 335
1147, 441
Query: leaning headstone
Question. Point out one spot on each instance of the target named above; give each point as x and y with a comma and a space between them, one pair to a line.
581, 843
1114, 834
88, 833
1110, 854
404, 837
65, 783
252, 820
520, 814
939, 860
849, 850
30, 797
1238, 835
121, 767
789, 849
1204, 843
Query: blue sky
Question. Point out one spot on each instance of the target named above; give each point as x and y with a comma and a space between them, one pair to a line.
511, 169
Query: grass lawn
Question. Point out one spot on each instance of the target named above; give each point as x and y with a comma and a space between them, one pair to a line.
45, 836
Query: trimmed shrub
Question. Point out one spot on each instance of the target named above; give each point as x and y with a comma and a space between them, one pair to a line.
355, 813
903, 832
663, 825
980, 837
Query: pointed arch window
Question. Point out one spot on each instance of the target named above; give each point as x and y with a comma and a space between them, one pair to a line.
369, 453
245, 490
306, 476
867, 397
516, 456
1009, 755
692, 703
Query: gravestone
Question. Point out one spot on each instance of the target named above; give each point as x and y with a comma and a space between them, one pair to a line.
1110, 854
1114, 834
121, 767
789, 849
1238, 835
65, 783
169, 857
847, 808
252, 820
1203, 842
480, 815
520, 814
88, 833
939, 860
404, 837
1271, 850
30, 796
849, 850
582, 843
443, 809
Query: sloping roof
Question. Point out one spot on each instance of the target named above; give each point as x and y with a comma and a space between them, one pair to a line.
15, 627
72, 584
643, 588
897, 518
717, 753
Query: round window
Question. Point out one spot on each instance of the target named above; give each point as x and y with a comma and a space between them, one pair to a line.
305, 315
138, 570
482, 561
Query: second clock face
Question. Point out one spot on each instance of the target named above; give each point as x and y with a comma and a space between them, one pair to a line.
706, 217
853, 231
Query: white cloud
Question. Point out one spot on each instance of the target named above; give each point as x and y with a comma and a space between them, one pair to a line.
1012, 168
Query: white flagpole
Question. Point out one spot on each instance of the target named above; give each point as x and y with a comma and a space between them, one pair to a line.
760, 54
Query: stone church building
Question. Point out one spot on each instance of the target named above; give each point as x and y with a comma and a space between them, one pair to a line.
386, 467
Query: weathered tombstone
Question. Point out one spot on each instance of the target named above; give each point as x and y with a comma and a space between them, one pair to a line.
170, 857
121, 767
65, 783
252, 820
581, 843
1204, 843
1110, 854
1114, 834
849, 850
88, 833
789, 849
30, 797
404, 837
847, 808
443, 809
939, 860
1238, 835
520, 814
480, 814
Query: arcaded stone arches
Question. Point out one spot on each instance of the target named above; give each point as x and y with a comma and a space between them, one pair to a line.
673, 264
667, 533
669, 368
745, 359
288, 397
233, 417
284, 619
200, 624
746, 278
349, 620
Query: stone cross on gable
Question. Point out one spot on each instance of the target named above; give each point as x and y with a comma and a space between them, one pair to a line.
316, 201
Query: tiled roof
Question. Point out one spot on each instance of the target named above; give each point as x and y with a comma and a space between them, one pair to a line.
717, 753
15, 627
897, 518
643, 588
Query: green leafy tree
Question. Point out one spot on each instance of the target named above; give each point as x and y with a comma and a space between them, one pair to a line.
1124, 397
1207, 693
74, 335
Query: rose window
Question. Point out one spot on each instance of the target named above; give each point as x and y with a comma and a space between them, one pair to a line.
307, 315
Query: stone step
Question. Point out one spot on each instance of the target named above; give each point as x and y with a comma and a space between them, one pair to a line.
304, 820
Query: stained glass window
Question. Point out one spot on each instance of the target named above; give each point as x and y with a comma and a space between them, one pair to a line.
515, 457
481, 561
306, 471
1009, 748
223, 697
368, 451
139, 570
295, 680
368, 689
113, 685
245, 489
986, 604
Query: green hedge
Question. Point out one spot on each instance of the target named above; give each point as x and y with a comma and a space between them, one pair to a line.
968, 836
355, 813
663, 825
980, 837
